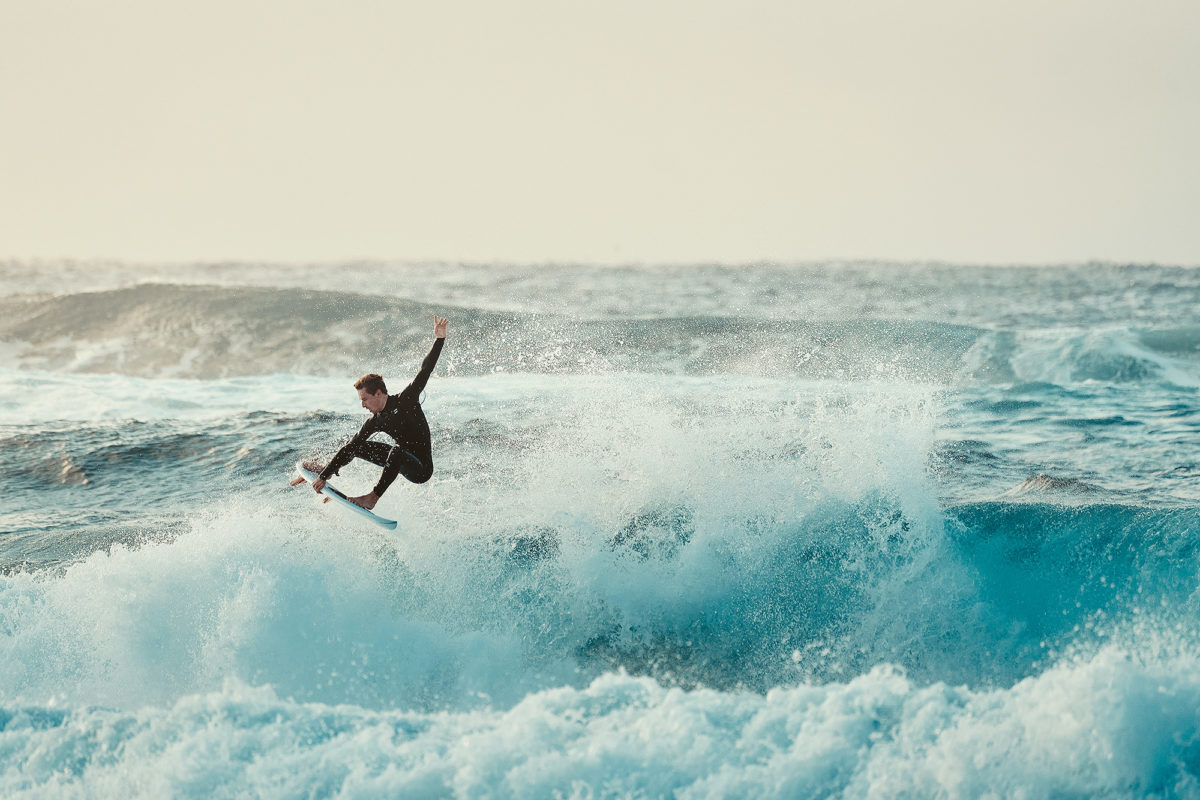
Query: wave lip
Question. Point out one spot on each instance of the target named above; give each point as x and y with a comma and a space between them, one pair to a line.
1042, 484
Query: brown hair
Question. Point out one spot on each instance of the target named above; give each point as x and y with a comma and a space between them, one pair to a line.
371, 383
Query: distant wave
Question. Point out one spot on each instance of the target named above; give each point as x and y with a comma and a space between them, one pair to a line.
204, 331
1066, 356
164, 330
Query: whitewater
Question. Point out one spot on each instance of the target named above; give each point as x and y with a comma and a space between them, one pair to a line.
814, 530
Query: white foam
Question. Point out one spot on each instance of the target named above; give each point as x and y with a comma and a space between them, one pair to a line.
1115, 724
249, 594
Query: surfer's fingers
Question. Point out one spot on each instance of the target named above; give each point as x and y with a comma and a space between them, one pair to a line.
324, 499
296, 481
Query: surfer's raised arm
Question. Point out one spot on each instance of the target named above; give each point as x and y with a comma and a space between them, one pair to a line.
418, 383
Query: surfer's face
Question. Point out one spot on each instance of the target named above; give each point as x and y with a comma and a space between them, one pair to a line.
372, 402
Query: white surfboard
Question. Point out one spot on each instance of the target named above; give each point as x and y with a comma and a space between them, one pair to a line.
341, 499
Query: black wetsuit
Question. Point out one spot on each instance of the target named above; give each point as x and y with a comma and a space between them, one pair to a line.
403, 420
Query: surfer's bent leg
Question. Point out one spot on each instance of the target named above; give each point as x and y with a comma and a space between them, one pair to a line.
395, 460
401, 461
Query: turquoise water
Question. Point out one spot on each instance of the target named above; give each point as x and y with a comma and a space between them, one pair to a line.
849, 530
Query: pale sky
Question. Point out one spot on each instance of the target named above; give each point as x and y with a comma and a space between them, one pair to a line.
1008, 131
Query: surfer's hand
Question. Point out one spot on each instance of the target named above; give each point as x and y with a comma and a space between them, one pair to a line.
439, 326
318, 485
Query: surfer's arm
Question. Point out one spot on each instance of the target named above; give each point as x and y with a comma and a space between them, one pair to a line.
418, 384
344, 456
339, 460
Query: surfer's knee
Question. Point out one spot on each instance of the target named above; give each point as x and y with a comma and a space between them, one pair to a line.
420, 472
410, 465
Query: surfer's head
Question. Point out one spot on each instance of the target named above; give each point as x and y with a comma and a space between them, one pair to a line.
372, 391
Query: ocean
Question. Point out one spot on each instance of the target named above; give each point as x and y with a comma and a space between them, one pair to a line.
817, 530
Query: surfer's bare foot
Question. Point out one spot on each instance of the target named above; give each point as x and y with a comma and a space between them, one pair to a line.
367, 501
314, 466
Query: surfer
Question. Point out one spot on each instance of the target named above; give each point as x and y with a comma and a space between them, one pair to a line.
400, 417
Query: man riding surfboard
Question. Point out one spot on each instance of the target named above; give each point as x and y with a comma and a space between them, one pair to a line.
400, 417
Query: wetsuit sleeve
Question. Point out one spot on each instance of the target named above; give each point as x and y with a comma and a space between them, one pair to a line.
418, 383
346, 454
